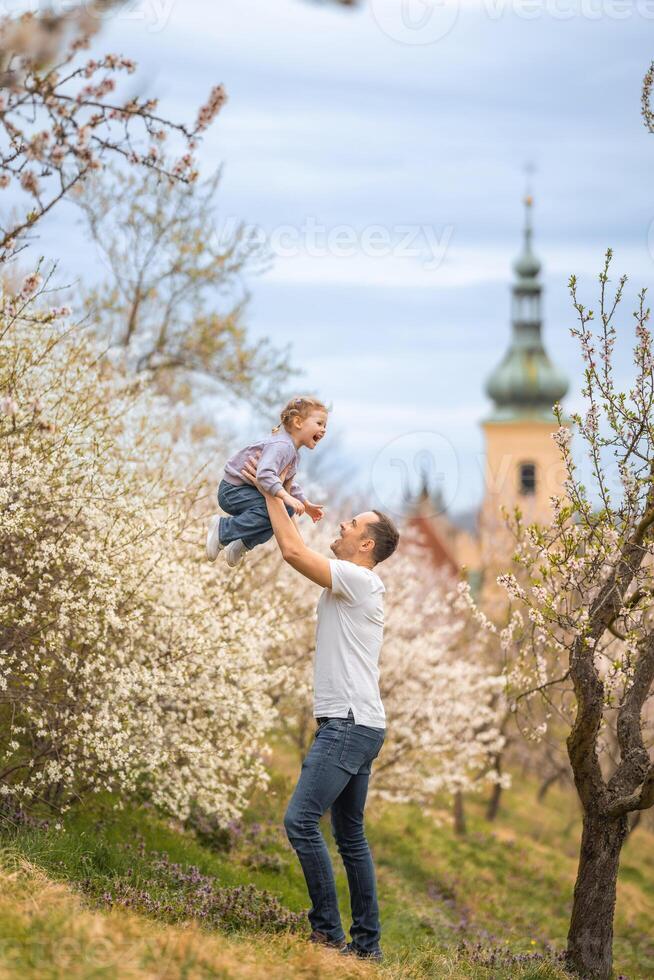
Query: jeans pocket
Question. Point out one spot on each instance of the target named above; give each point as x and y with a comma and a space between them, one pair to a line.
360, 746
223, 494
332, 724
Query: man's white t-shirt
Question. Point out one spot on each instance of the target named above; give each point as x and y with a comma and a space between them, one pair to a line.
348, 643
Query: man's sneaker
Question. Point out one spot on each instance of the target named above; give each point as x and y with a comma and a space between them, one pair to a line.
351, 950
322, 940
213, 538
234, 552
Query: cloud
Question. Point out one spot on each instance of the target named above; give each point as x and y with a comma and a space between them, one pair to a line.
332, 119
461, 267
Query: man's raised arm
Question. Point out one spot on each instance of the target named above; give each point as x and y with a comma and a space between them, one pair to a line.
294, 551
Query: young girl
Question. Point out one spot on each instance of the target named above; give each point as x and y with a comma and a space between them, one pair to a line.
303, 423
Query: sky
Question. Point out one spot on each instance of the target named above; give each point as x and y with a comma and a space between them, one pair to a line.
382, 150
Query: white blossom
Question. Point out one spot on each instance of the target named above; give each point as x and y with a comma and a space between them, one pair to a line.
128, 662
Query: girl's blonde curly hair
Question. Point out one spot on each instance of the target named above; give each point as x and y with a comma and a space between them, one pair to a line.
300, 407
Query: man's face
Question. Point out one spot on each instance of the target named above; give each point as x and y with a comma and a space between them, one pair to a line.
354, 537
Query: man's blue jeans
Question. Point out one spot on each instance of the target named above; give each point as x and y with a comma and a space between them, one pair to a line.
249, 521
335, 774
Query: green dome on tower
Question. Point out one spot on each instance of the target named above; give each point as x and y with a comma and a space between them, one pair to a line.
526, 384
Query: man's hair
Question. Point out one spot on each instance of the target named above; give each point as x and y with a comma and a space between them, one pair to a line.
385, 535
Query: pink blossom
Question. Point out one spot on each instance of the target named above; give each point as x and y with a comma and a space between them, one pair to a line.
58, 154
29, 182
30, 284
213, 105
183, 166
117, 61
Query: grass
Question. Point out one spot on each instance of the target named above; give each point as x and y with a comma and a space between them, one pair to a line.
127, 893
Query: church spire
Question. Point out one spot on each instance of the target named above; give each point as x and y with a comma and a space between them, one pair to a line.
526, 384
527, 266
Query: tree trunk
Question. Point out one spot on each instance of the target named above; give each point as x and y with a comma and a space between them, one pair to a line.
546, 785
590, 939
493, 805
459, 813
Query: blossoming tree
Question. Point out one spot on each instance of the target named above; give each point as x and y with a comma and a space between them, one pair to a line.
173, 295
443, 698
587, 645
61, 118
127, 663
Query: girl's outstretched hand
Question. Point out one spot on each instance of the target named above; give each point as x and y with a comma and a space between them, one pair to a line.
315, 511
296, 505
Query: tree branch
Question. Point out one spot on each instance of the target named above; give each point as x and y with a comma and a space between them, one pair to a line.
641, 799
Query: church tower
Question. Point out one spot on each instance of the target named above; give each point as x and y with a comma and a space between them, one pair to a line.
522, 461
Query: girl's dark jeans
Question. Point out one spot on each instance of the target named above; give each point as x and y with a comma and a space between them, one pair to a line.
249, 521
335, 775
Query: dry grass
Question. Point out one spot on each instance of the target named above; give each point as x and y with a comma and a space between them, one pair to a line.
504, 890
48, 933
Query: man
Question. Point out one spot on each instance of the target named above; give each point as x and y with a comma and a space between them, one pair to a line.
350, 716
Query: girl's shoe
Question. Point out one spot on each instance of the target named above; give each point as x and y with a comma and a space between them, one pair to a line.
234, 552
213, 539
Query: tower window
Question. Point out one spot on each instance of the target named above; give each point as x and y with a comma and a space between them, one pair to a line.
527, 478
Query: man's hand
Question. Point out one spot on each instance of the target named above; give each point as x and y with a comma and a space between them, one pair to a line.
315, 511
249, 471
